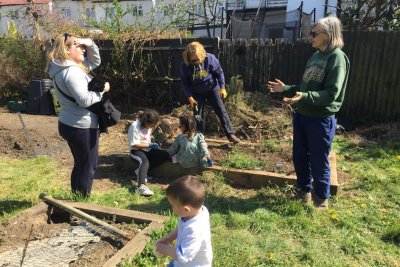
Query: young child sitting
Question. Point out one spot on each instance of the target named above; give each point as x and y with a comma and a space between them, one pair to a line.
189, 148
193, 236
142, 150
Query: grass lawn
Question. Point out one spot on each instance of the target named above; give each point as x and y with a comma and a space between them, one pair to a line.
265, 227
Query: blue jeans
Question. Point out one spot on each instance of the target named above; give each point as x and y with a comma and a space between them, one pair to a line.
312, 142
215, 100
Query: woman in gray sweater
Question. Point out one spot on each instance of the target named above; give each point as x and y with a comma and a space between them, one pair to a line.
69, 70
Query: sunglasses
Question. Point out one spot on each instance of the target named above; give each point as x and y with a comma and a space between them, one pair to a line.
314, 34
66, 36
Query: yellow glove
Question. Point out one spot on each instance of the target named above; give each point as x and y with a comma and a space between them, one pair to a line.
192, 101
223, 93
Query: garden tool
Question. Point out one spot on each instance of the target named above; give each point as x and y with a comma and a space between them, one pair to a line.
195, 108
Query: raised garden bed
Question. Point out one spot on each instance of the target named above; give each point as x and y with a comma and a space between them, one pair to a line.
98, 247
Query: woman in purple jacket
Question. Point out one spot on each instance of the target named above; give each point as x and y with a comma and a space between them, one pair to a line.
203, 79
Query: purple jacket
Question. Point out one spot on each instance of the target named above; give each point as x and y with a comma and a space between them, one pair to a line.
204, 78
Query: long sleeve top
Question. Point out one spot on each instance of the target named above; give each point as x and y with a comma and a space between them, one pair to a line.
324, 84
190, 152
203, 78
73, 81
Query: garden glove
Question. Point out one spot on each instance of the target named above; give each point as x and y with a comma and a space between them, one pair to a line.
192, 101
223, 93
154, 146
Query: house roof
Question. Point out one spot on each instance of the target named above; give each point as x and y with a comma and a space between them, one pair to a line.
22, 2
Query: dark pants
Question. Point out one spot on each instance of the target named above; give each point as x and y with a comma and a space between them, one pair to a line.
84, 145
217, 104
148, 160
312, 142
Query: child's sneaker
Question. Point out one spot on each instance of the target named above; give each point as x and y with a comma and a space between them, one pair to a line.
144, 191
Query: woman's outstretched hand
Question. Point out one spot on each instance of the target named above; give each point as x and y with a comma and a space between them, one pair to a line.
275, 87
294, 99
106, 87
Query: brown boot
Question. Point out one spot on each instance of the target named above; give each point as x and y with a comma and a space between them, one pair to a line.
303, 196
320, 203
233, 139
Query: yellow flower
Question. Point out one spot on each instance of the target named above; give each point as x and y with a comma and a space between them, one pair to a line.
270, 256
335, 217
398, 157
362, 205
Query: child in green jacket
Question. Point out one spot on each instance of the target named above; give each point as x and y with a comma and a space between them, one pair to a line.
189, 149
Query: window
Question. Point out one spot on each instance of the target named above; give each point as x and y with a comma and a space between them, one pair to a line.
220, 8
110, 11
66, 11
197, 9
137, 10
90, 13
13, 14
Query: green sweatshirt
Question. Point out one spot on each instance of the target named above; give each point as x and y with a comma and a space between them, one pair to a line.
324, 84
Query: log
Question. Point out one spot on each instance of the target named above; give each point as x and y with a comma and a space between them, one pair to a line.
83, 215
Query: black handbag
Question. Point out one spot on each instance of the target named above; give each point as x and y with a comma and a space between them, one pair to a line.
107, 114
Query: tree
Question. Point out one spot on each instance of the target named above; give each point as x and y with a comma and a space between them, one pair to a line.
370, 15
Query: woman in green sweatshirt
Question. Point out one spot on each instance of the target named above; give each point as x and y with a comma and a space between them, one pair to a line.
315, 101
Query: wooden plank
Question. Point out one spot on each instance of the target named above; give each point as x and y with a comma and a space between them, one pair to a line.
121, 215
133, 247
167, 170
223, 141
257, 179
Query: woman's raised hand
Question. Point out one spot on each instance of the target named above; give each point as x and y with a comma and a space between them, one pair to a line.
275, 87
83, 41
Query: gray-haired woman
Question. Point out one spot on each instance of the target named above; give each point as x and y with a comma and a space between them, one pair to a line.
316, 100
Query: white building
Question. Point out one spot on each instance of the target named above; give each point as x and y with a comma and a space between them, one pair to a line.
19, 13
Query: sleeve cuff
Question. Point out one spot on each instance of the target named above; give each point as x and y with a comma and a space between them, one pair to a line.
286, 88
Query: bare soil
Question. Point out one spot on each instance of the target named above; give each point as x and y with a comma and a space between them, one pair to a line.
25, 227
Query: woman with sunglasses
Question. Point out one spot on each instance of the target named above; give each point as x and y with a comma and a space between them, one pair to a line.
69, 69
316, 100
203, 79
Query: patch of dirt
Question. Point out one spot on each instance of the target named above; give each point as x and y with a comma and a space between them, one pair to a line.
40, 226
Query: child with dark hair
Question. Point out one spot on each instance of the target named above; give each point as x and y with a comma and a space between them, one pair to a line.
189, 149
143, 150
193, 236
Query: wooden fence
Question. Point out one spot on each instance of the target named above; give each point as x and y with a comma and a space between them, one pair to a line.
373, 90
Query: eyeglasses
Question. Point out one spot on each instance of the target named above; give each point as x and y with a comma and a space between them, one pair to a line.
66, 35
314, 34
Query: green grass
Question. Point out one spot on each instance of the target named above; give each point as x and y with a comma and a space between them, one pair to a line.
265, 227
238, 158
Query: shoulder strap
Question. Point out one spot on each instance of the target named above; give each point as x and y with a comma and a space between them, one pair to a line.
70, 98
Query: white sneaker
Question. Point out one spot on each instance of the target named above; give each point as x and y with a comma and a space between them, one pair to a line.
144, 191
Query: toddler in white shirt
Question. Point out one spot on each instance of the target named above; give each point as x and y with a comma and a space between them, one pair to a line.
193, 236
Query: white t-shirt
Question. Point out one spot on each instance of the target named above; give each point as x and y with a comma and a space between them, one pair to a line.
138, 135
193, 243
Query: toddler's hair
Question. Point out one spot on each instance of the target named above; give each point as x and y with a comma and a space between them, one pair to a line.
189, 124
149, 116
188, 191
